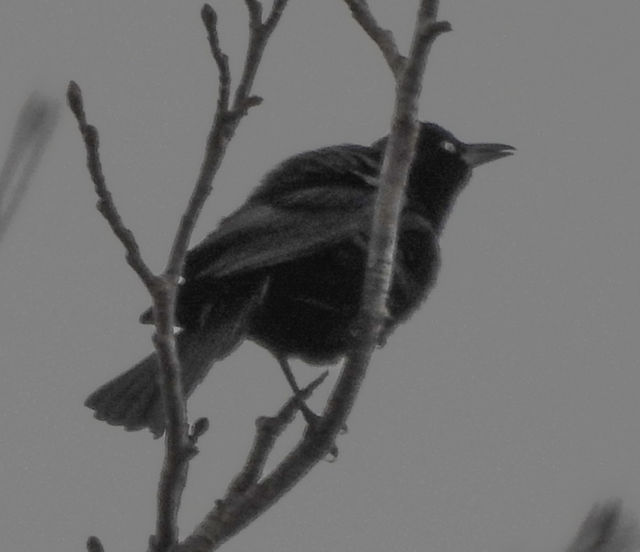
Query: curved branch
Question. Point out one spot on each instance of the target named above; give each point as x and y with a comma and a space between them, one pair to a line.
106, 205
382, 37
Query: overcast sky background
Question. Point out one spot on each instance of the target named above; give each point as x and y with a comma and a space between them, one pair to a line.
490, 422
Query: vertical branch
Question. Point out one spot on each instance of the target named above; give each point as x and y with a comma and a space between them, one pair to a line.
105, 204
395, 170
383, 38
260, 33
179, 446
227, 118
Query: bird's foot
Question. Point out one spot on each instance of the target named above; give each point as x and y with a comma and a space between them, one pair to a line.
313, 427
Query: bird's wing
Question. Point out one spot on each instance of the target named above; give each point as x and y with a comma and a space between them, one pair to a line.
308, 202
259, 236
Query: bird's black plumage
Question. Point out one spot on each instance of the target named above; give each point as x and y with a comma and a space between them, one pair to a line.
286, 269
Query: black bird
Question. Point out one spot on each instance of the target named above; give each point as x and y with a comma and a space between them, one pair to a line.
286, 269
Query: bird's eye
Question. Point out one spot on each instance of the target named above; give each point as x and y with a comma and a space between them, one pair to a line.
448, 146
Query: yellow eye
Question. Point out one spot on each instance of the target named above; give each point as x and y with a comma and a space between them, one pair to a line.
448, 146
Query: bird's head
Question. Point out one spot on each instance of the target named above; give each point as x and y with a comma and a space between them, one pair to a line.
441, 156
442, 166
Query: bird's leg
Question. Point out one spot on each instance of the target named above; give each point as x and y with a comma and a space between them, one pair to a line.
311, 417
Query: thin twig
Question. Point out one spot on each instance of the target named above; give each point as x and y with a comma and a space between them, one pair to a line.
275, 15
105, 204
224, 124
162, 291
259, 33
179, 448
255, 12
382, 37
268, 429
222, 523
210, 20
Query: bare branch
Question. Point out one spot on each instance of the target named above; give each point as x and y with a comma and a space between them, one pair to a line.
276, 13
225, 123
179, 447
393, 177
179, 444
105, 204
259, 34
198, 429
162, 289
255, 12
268, 431
210, 20
429, 10
382, 37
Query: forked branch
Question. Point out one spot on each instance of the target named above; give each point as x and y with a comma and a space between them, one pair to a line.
179, 443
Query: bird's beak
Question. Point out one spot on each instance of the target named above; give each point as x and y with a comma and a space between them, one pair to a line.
479, 154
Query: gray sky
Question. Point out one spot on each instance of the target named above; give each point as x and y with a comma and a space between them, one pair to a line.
490, 422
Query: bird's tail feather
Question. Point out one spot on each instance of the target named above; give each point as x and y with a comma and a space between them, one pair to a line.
133, 399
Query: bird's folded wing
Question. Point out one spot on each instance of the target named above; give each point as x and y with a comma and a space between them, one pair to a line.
306, 203
260, 235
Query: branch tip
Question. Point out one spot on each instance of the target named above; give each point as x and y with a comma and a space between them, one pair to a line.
253, 101
264, 423
383, 38
276, 12
199, 428
428, 8
74, 99
255, 11
248, 103
209, 17
315, 383
435, 28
